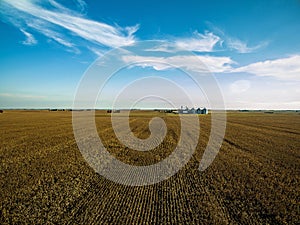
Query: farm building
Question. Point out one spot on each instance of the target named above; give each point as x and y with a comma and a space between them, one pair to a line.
186, 110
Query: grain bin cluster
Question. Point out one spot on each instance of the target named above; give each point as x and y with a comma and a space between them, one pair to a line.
186, 110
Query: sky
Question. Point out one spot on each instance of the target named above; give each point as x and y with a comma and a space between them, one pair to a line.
251, 49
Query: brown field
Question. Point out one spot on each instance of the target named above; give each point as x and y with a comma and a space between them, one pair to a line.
253, 180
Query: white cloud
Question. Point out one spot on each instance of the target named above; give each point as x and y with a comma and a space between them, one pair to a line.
96, 32
199, 42
30, 40
283, 68
235, 44
242, 47
208, 42
51, 33
81, 5
62, 25
199, 63
96, 51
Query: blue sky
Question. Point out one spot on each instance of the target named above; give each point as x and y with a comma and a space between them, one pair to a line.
251, 47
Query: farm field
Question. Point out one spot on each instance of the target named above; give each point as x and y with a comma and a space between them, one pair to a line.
254, 179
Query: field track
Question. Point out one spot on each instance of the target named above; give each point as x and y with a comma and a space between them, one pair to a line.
254, 179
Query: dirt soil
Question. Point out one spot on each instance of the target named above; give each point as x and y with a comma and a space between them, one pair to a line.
254, 179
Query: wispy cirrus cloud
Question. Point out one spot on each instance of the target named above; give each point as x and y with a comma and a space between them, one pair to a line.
243, 47
33, 13
54, 35
198, 42
235, 44
64, 25
81, 5
208, 42
283, 68
200, 63
30, 40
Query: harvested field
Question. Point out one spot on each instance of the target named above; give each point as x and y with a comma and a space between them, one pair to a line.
254, 179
